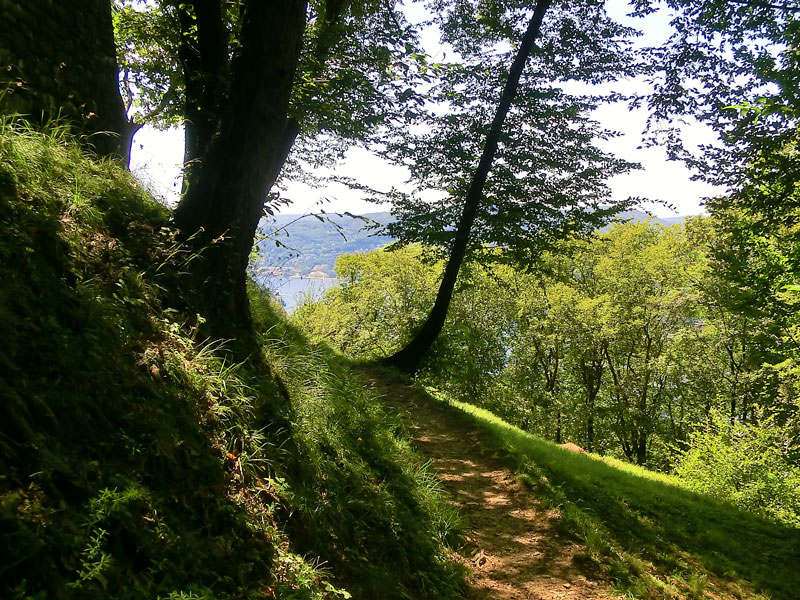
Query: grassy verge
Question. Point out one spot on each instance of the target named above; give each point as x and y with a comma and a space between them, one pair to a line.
652, 536
137, 462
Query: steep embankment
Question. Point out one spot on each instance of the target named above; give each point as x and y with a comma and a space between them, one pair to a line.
137, 462
545, 522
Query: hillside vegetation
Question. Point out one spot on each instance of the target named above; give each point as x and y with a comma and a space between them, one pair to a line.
653, 536
138, 462
168, 432
635, 343
638, 533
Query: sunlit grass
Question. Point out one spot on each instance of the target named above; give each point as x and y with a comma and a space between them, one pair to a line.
647, 531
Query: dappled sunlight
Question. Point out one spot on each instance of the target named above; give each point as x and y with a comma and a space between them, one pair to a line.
514, 545
651, 516
578, 525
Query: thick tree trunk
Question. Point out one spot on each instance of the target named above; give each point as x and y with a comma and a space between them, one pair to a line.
204, 58
58, 61
225, 200
408, 359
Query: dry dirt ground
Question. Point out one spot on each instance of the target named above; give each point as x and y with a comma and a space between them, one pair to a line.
514, 549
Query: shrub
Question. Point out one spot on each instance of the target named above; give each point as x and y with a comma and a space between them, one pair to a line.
744, 464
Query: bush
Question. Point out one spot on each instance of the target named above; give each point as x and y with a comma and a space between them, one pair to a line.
744, 464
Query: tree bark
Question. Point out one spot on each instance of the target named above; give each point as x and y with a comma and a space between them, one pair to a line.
591, 377
130, 129
558, 428
203, 54
58, 61
641, 447
409, 358
222, 206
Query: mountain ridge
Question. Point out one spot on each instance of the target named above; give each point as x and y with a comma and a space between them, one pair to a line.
295, 245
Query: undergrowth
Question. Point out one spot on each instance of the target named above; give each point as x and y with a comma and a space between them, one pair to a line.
653, 537
137, 462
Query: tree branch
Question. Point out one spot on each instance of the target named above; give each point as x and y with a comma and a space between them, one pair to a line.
785, 6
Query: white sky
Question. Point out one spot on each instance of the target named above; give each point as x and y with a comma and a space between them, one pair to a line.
157, 155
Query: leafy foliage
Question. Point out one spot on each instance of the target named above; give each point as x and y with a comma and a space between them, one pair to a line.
756, 260
358, 68
579, 350
743, 464
549, 177
734, 66
148, 40
386, 291
622, 344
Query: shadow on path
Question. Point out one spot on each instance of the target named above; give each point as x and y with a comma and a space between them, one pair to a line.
514, 548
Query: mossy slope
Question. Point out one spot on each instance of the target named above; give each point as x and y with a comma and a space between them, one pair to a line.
136, 462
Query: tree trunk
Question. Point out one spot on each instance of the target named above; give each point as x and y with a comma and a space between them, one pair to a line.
203, 54
58, 61
558, 428
590, 430
408, 358
130, 129
592, 377
641, 447
225, 200
641, 425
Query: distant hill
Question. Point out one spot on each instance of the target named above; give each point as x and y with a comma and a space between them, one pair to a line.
298, 244
638, 215
302, 244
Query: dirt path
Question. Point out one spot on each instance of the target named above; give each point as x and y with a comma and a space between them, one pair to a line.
514, 548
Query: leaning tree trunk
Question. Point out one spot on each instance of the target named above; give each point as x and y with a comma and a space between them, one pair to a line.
221, 208
408, 358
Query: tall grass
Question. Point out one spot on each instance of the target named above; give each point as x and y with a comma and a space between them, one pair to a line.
358, 478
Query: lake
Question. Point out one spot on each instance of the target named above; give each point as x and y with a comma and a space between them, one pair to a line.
291, 290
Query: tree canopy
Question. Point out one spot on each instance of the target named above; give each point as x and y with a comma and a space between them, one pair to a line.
336, 73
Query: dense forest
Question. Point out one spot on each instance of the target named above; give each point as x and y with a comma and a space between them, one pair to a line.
524, 395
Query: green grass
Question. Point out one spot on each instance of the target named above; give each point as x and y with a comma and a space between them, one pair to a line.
654, 537
137, 462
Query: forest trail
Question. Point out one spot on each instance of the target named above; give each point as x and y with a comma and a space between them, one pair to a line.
514, 549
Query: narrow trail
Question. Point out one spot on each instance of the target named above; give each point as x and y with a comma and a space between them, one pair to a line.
514, 548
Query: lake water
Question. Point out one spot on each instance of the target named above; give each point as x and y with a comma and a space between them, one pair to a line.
291, 290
